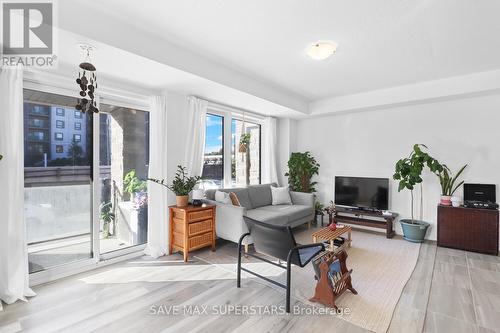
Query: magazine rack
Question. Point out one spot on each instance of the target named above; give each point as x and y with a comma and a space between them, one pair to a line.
327, 294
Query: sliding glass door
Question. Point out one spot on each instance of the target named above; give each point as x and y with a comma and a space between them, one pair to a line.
124, 159
58, 180
85, 180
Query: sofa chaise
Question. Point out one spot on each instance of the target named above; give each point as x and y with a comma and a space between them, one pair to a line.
256, 203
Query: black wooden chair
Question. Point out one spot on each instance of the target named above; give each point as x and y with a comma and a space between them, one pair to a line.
278, 242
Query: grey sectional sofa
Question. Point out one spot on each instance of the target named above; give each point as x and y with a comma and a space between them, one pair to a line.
256, 203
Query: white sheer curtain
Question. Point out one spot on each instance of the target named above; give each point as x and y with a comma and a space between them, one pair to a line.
269, 169
158, 206
195, 140
14, 277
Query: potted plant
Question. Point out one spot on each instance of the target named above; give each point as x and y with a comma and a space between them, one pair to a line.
301, 168
181, 185
107, 217
318, 211
244, 142
133, 185
408, 172
245, 149
447, 182
331, 210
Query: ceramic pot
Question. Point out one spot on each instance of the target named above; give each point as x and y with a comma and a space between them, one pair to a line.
414, 231
455, 201
445, 200
181, 200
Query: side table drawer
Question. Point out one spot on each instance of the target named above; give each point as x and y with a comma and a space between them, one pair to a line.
200, 215
196, 228
200, 241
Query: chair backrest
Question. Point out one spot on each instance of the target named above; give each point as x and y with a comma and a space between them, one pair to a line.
273, 240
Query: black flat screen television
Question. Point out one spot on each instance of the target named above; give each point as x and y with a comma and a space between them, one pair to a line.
362, 193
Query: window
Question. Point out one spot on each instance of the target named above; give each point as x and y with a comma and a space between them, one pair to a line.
245, 153
36, 149
77, 137
213, 160
78, 126
36, 122
237, 166
57, 187
60, 112
36, 135
78, 114
38, 109
59, 124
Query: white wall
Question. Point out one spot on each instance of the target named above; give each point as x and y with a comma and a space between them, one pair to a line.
286, 131
369, 143
177, 108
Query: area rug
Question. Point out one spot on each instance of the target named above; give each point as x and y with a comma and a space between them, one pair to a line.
381, 269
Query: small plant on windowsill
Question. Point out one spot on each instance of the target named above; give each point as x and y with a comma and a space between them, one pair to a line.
182, 185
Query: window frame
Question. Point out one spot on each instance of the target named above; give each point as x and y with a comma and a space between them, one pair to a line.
228, 114
79, 126
223, 143
62, 113
79, 137
55, 136
78, 114
58, 122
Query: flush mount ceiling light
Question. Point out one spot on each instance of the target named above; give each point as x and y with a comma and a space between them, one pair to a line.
321, 50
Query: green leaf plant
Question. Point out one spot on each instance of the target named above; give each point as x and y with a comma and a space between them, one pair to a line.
132, 183
408, 170
182, 184
447, 180
301, 168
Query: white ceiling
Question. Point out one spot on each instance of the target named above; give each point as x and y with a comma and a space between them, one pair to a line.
381, 43
120, 69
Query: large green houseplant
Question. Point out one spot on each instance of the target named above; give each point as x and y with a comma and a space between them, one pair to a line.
301, 169
182, 185
408, 172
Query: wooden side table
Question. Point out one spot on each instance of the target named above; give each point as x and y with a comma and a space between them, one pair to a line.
192, 228
329, 235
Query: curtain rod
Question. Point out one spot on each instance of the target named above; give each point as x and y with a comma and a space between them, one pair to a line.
222, 105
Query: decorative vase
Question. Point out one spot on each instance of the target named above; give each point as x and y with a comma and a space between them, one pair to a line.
445, 200
455, 201
181, 200
414, 231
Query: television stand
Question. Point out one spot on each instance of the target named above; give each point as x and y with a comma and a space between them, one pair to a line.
367, 218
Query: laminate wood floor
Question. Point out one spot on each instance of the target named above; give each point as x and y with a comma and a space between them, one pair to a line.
449, 291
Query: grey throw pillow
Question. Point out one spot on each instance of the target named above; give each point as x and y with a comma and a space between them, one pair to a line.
281, 196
